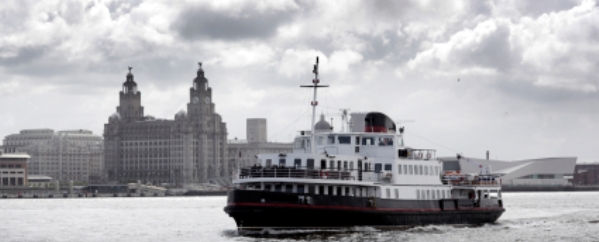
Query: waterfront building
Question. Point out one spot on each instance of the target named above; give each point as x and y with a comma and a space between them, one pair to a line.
555, 171
244, 152
13, 169
70, 155
189, 149
586, 175
39, 181
256, 130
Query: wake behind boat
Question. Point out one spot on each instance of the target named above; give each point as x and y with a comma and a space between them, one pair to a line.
364, 177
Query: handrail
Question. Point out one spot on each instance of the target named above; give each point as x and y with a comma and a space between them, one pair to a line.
471, 182
310, 173
293, 172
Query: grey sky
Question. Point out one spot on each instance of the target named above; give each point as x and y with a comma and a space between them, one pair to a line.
528, 85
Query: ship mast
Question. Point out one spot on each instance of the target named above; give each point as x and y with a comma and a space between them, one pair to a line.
314, 85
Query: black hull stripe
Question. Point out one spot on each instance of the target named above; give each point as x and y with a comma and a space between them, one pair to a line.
271, 205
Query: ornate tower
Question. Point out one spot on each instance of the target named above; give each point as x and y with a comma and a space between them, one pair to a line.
200, 96
130, 108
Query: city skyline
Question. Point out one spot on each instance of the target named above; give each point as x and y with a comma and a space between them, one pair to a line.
514, 78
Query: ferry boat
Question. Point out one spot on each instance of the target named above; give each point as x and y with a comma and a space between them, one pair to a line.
366, 176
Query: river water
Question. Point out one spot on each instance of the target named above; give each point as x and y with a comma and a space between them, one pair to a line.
559, 216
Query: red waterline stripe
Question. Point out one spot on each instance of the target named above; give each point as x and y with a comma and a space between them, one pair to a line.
344, 207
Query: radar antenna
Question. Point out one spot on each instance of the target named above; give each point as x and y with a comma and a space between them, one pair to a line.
314, 103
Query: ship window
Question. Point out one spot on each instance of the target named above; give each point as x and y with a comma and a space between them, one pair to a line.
338, 191
418, 194
438, 194
321, 190
343, 139
351, 165
267, 187
433, 193
411, 170
268, 162
398, 169
297, 163
387, 167
384, 141
396, 194
405, 169
428, 194
332, 164
300, 189
420, 170
378, 167
310, 163
347, 191
388, 193
330, 190
323, 164
425, 170
311, 189
289, 188
282, 163
338, 165
357, 140
436, 170
331, 139
368, 141
345, 165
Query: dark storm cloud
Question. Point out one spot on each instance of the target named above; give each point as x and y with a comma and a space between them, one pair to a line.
479, 7
389, 8
25, 55
203, 23
538, 7
494, 51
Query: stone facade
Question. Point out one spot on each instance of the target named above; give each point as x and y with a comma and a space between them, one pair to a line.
13, 170
75, 155
244, 153
256, 130
189, 149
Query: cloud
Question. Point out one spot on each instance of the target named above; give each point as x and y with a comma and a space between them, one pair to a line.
244, 21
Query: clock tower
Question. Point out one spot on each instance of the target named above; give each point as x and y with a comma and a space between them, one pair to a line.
200, 96
130, 108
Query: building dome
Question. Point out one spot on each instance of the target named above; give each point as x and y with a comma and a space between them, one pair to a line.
181, 115
322, 125
114, 117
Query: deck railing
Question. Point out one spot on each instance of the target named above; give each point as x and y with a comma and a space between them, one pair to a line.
296, 172
464, 181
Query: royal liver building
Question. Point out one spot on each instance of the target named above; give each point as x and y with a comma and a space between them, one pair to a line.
190, 149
